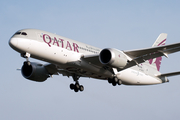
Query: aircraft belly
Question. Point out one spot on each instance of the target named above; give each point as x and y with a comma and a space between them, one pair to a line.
97, 72
134, 77
86, 69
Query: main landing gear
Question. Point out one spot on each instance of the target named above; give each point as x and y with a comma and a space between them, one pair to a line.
114, 81
76, 87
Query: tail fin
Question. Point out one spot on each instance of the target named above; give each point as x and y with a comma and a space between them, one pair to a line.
161, 40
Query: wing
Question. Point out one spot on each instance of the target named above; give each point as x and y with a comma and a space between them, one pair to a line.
141, 55
70, 71
138, 56
55, 70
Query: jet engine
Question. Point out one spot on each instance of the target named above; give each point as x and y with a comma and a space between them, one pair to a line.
113, 57
34, 71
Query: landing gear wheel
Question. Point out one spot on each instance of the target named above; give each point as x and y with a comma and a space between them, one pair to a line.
115, 79
75, 89
72, 86
114, 83
77, 85
119, 82
81, 88
110, 80
28, 63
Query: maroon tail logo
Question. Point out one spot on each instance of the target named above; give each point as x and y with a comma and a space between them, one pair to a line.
159, 59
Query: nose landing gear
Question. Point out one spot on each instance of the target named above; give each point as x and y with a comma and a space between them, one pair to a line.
27, 56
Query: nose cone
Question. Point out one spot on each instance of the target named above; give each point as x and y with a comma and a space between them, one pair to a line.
13, 42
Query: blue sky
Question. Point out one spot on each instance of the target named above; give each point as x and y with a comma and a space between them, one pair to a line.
120, 24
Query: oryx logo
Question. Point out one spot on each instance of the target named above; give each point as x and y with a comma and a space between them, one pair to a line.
158, 60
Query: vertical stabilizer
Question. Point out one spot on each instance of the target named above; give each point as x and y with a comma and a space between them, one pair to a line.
161, 40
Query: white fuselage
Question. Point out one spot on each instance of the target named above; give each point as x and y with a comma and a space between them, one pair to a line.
67, 54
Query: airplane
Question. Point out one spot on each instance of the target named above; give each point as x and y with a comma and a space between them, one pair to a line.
75, 59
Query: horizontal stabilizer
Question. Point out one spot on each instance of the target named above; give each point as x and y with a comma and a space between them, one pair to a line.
169, 74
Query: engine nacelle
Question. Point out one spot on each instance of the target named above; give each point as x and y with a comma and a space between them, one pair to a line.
113, 57
35, 72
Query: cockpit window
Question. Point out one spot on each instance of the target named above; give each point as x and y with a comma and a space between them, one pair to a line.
23, 33
17, 33
20, 33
